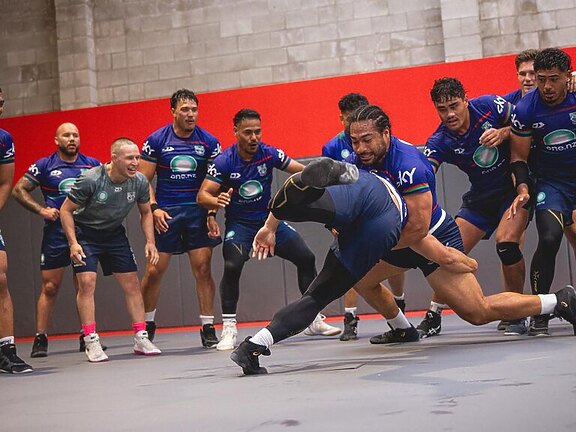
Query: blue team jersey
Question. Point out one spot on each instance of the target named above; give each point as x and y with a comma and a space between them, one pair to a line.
56, 177
513, 97
488, 169
181, 163
409, 171
6, 147
553, 133
339, 147
251, 180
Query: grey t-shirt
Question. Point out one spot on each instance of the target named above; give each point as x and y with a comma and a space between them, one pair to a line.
103, 204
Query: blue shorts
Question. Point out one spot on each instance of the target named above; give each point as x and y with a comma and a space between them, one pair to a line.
187, 230
368, 223
54, 252
110, 248
243, 233
485, 211
557, 194
447, 233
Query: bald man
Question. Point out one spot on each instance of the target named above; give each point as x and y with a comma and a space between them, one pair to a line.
55, 174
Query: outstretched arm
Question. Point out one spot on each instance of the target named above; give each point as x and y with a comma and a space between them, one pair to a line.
265, 239
447, 257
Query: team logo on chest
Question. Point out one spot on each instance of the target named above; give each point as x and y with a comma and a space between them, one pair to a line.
183, 164
65, 185
102, 197
200, 151
573, 117
262, 170
344, 153
485, 157
250, 189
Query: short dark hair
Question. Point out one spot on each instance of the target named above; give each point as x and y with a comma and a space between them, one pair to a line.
243, 114
525, 56
447, 88
351, 101
182, 95
370, 112
550, 58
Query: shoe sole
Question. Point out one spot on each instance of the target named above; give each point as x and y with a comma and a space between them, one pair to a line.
25, 371
424, 335
235, 358
39, 354
147, 354
330, 333
98, 361
225, 347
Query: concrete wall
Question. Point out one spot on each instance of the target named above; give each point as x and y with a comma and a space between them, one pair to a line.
65, 54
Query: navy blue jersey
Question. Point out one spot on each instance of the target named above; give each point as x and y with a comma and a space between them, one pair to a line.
6, 147
339, 147
181, 163
251, 180
513, 97
553, 133
56, 177
409, 171
488, 168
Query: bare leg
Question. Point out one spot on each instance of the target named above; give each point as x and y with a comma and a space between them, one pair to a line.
85, 297
51, 282
6, 307
200, 261
131, 287
151, 281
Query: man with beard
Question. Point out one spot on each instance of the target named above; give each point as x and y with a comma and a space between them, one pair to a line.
55, 174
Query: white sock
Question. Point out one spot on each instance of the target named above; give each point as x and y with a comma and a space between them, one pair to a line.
229, 318
399, 321
150, 316
548, 303
7, 340
351, 310
398, 297
207, 319
263, 337
437, 307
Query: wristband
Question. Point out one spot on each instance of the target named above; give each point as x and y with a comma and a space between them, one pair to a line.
521, 173
211, 213
154, 207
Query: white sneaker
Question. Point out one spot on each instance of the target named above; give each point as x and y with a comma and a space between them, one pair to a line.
143, 346
93, 349
320, 328
228, 337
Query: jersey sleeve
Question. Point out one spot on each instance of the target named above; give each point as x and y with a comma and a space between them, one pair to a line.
521, 119
143, 190
215, 149
35, 172
435, 151
415, 181
6, 148
82, 190
281, 159
503, 110
150, 149
218, 170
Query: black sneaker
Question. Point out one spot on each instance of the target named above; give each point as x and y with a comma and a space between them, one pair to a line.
566, 305
397, 336
430, 325
10, 362
82, 346
502, 325
208, 336
516, 328
151, 329
350, 327
324, 172
40, 346
539, 325
401, 303
246, 356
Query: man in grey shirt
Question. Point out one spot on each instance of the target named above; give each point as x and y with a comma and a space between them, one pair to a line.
92, 217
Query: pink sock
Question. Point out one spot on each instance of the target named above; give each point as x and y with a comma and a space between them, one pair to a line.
138, 326
89, 328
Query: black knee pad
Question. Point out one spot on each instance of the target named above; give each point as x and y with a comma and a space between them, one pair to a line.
509, 252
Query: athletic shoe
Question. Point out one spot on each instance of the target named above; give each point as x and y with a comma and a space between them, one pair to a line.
10, 362
539, 325
516, 328
350, 327
40, 346
246, 356
208, 336
151, 329
82, 344
320, 328
401, 303
143, 345
397, 336
430, 325
94, 350
324, 172
228, 338
502, 325
566, 305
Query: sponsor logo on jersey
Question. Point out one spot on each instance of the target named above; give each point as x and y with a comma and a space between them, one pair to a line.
486, 125
33, 169
262, 170
146, 148
235, 176
183, 164
131, 196
573, 117
459, 150
200, 150
230, 235
117, 189
212, 171
541, 197
55, 173
500, 103
65, 185
559, 137
102, 196
406, 177
167, 149
516, 123
344, 153
250, 189
485, 157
